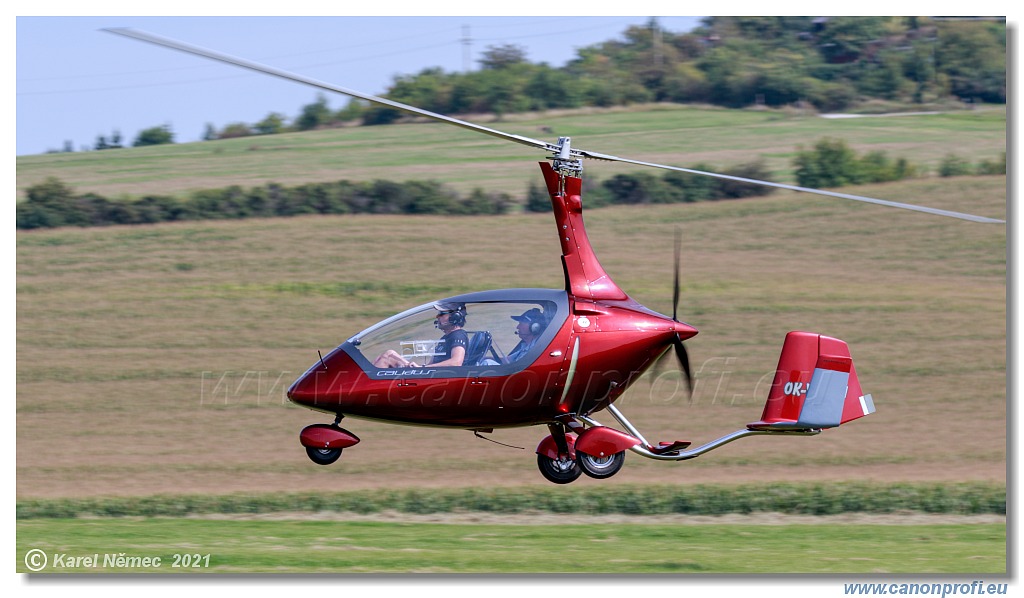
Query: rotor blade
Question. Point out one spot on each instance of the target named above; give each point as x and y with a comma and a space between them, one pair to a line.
269, 70
882, 202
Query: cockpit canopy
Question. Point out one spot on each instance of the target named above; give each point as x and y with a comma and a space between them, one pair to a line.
490, 322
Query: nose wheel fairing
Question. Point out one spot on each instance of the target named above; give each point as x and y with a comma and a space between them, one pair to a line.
327, 436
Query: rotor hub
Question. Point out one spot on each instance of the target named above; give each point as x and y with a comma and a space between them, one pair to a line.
564, 160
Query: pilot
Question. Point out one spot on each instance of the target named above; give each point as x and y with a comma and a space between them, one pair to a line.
450, 350
451, 317
530, 325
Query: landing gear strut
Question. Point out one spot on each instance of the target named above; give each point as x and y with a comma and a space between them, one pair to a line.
556, 457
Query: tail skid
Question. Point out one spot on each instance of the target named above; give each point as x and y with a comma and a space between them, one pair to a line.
815, 387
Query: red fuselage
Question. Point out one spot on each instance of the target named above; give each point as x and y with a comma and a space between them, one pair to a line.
598, 342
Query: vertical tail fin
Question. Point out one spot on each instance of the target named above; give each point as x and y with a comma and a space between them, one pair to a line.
815, 386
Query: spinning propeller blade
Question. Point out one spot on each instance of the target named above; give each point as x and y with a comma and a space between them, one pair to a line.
684, 362
675, 283
677, 344
562, 151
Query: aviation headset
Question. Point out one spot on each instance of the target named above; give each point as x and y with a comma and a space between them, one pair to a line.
457, 318
456, 313
536, 320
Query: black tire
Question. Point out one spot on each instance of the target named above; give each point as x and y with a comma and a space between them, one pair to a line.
558, 471
323, 456
600, 467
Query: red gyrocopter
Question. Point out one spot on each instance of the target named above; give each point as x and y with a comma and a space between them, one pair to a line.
579, 348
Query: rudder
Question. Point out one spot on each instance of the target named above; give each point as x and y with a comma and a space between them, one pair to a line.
815, 386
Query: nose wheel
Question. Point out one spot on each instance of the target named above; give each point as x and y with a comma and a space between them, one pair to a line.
324, 442
323, 456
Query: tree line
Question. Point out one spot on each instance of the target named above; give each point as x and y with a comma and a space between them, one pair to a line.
830, 63
825, 63
829, 163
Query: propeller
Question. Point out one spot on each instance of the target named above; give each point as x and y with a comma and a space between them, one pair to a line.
677, 343
564, 156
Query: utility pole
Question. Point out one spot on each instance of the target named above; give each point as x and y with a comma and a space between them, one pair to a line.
467, 50
656, 40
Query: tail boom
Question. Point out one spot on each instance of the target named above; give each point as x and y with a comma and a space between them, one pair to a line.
815, 388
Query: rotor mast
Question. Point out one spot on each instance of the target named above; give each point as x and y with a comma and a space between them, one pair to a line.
585, 278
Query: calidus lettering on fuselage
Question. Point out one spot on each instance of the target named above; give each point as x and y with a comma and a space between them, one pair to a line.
401, 373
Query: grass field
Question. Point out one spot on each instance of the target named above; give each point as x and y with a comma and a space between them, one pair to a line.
163, 351
310, 546
667, 134
153, 359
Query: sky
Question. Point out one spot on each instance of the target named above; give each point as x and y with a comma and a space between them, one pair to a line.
76, 82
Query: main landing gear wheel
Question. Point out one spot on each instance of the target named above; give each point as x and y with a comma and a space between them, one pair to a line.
323, 456
559, 471
600, 467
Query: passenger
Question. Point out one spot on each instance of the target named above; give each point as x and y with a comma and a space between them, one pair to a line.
450, 350
531, 324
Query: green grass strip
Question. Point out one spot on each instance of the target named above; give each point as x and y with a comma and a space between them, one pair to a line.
791, 498
570, 547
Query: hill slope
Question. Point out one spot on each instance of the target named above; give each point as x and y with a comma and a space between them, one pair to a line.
668, 134
158, 355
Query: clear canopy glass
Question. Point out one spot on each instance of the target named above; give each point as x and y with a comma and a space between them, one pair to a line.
490, 325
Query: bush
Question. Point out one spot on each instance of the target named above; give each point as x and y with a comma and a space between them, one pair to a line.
480, 202
830, 164
641, 188
954, 165
595, 195
430, 197
154, 136
692, 187
537, 199
986, 167
678, 187
29, 215
833, 164
729, 189
835, 96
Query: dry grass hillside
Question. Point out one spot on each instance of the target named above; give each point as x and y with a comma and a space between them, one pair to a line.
153, 359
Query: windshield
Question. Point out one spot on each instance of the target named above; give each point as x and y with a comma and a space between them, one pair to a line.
501, 330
